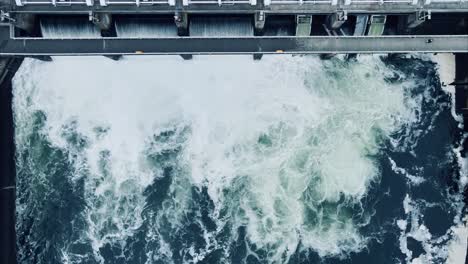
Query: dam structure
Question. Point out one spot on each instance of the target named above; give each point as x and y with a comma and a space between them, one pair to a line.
258, 27
42, 29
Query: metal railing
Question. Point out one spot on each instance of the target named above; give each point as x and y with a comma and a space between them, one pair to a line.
54, 2
229, 2
346, 2
300, 2
136, 2
133, 2
91, 2
357, 2
427, 2
218, 2
354, 2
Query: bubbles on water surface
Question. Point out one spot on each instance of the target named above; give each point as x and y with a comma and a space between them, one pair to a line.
214, 160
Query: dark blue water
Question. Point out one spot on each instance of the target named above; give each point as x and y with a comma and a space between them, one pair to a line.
420, 171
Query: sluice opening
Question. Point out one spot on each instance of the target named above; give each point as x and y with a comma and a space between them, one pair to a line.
221, 26
68, 27
145, 26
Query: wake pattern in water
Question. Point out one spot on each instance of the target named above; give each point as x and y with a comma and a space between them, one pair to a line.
215, 160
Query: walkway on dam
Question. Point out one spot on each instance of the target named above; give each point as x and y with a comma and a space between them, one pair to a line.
226, 45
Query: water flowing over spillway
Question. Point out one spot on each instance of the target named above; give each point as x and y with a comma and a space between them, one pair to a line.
62, 28
221, 27
138, 28
230, 160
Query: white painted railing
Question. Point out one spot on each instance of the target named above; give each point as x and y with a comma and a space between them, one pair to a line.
91, 2
136, 2
427, 2
360, 2
299, 2
356, 2
54, 2
346, 2
132, 2
229, 2
219, 2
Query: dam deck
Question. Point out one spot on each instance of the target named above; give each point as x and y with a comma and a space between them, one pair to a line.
229, 45
344, 26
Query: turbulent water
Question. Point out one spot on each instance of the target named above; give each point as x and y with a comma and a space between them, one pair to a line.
230, 160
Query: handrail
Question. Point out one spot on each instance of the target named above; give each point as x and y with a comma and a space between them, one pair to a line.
220, 2
233, 2
91, 2
298, 2
48, 2
135, 2
346, 2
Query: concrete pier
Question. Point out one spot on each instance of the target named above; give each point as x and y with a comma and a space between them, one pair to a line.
336, 20
417, 19
181, 21
8, 68
102, 20
26, 22
259, 23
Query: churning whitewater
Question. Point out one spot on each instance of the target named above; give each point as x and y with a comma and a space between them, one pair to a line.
230, 160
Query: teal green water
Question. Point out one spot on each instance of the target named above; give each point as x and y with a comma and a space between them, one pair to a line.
229, 160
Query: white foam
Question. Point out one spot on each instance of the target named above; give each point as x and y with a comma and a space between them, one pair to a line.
413, 179
446, 70
294, 134
419, 232
458, 245
449, 247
